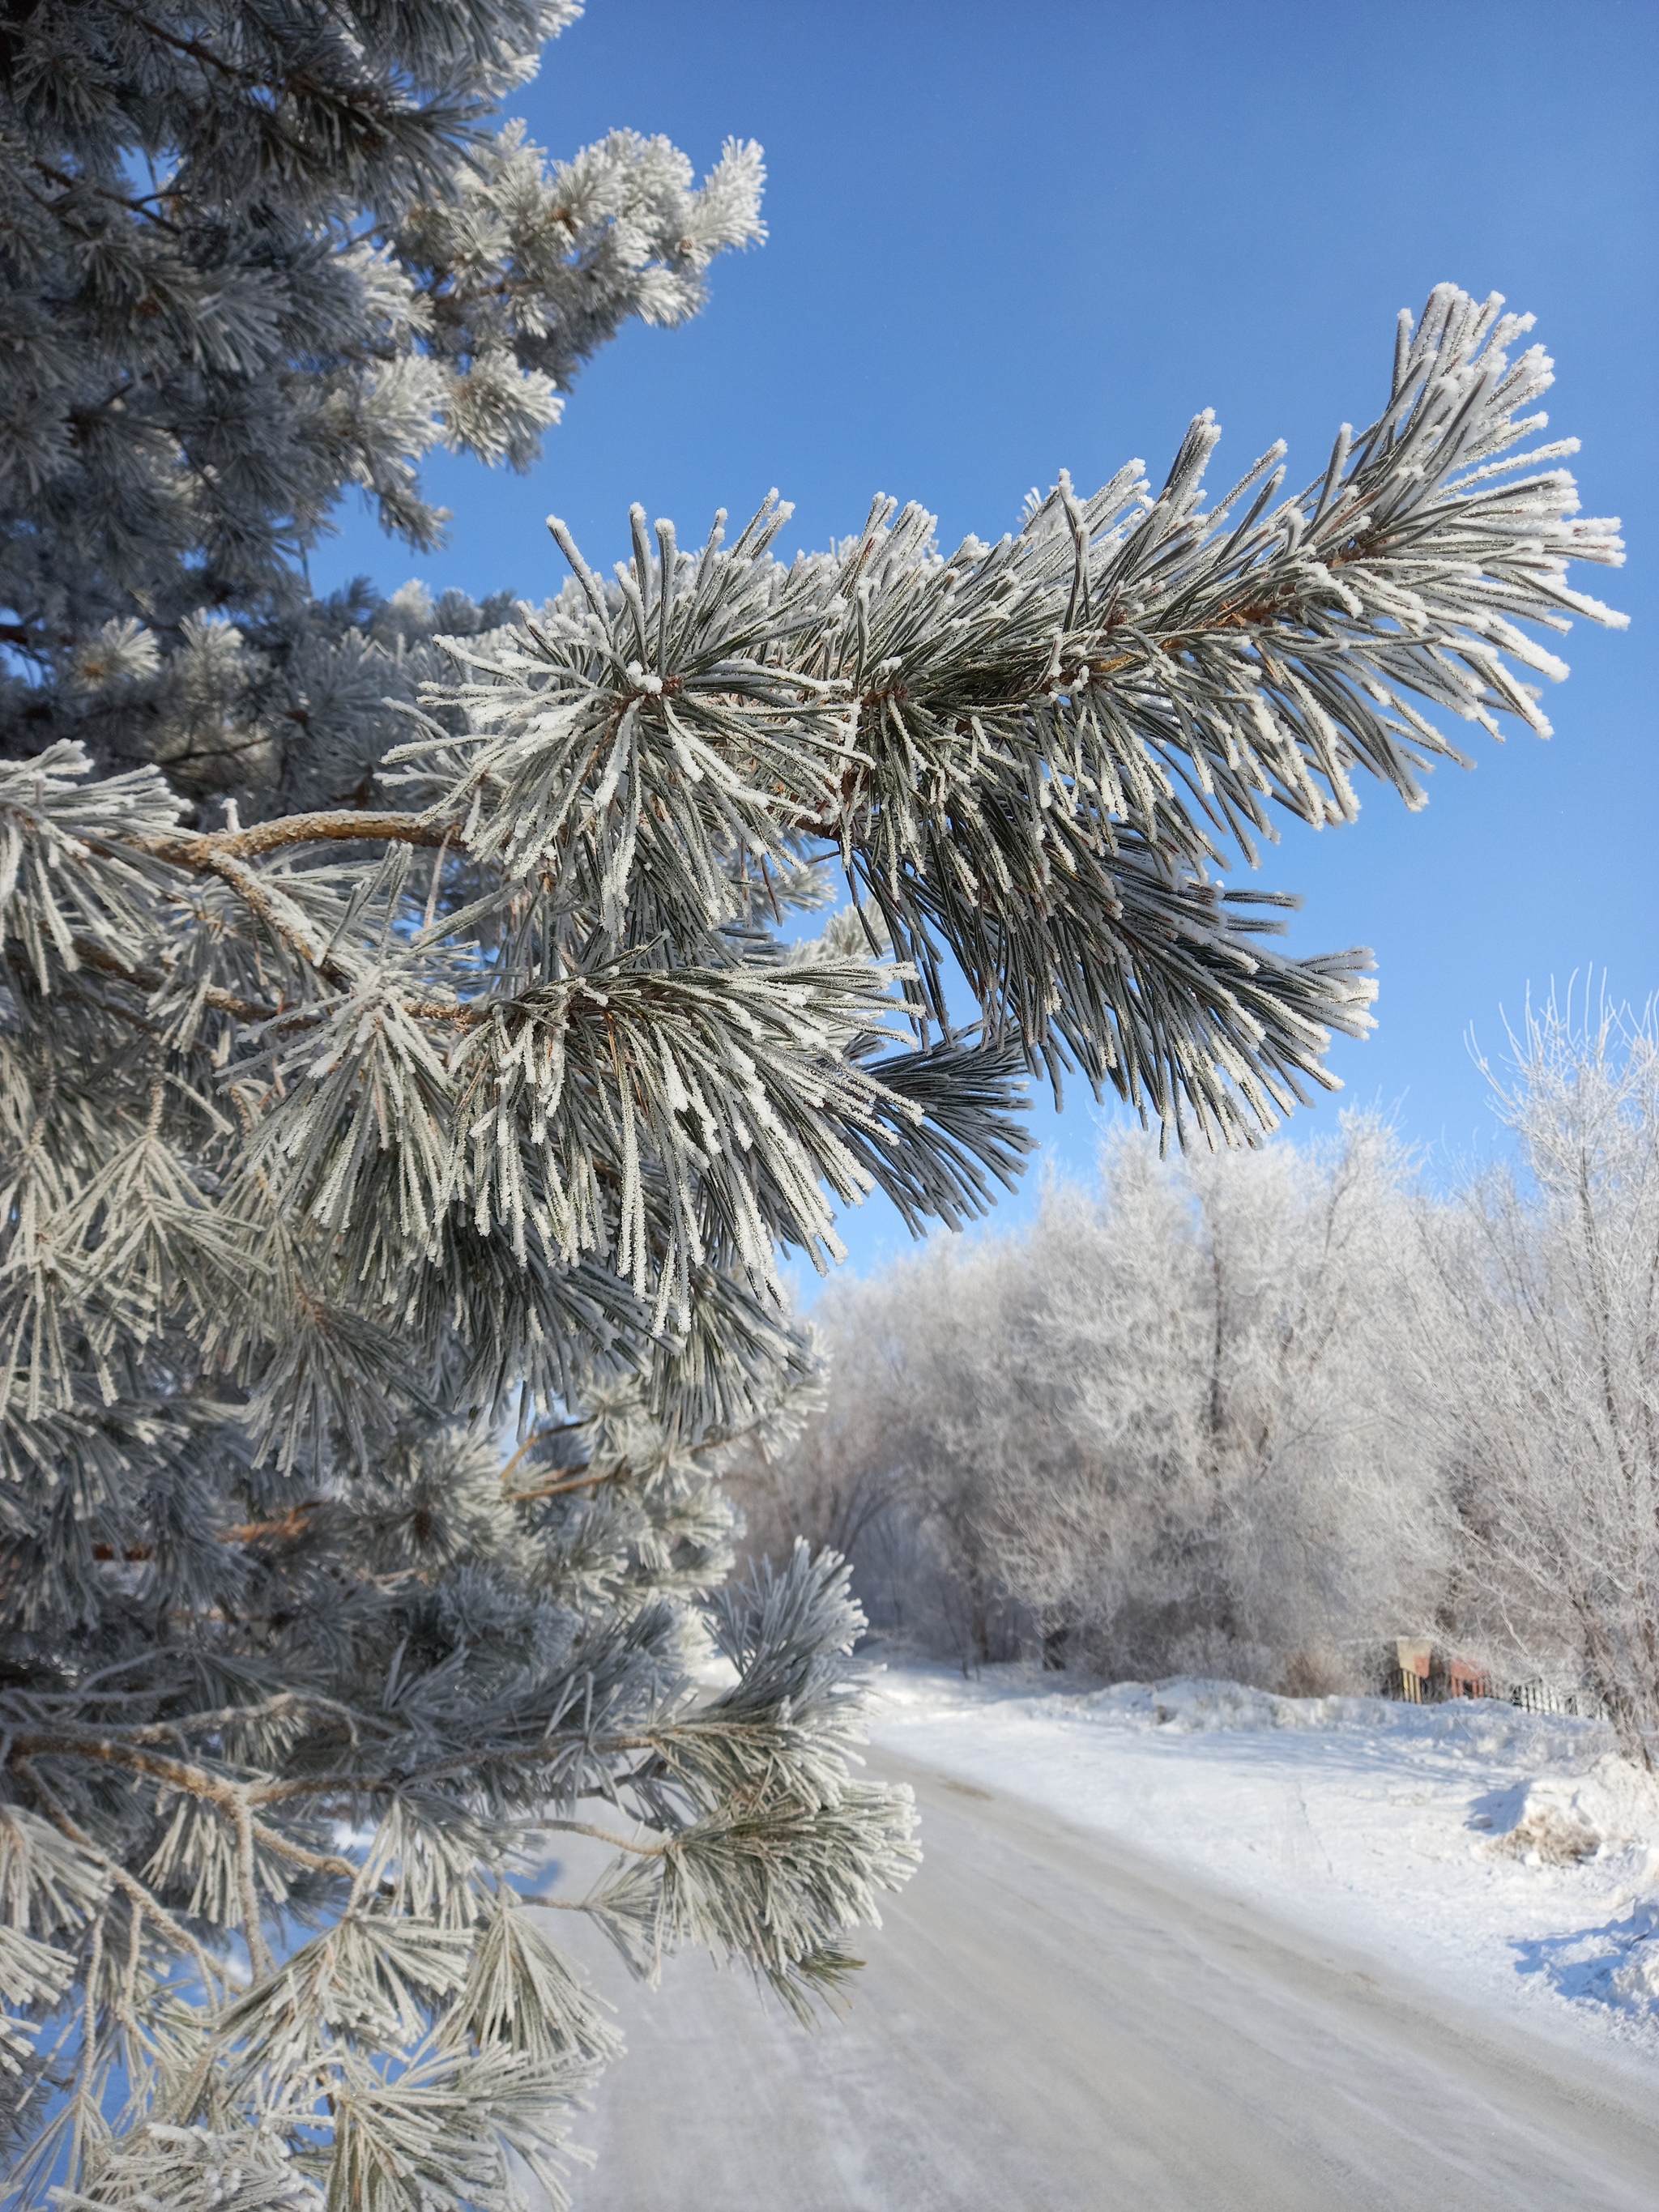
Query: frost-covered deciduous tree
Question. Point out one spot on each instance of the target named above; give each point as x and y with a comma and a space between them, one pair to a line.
357, 1095
1171, 1427
1252, 1498
1545, 1379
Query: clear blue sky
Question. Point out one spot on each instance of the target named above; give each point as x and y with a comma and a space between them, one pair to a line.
1007, 238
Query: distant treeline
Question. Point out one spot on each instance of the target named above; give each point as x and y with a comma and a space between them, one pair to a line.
1255, 1414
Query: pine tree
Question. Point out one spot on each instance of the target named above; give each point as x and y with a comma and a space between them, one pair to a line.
398, 1043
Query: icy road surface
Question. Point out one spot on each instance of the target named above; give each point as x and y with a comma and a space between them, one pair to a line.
1051, 2022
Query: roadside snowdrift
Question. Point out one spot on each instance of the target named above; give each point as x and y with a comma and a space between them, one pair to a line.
1514, 1854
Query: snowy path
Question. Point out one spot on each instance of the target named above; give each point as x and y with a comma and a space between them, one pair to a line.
1050, 2022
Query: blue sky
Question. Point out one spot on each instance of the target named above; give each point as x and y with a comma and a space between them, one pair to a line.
1006, 239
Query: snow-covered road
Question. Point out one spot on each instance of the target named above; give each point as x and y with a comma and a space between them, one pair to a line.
1052, 2022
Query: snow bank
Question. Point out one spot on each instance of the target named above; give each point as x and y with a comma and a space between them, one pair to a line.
1516, 1854
1479, 1725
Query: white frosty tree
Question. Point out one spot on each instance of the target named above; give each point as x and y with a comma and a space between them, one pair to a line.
459, 1077
1174, 1426
1542, 1375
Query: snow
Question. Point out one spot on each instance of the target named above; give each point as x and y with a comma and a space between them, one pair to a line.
1512, 1855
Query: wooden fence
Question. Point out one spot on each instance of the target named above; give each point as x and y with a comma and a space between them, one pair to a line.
1446, 1680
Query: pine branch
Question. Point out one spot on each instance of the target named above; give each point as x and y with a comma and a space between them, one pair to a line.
120, 1878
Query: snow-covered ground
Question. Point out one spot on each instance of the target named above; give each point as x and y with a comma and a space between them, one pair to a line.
1514, 1856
